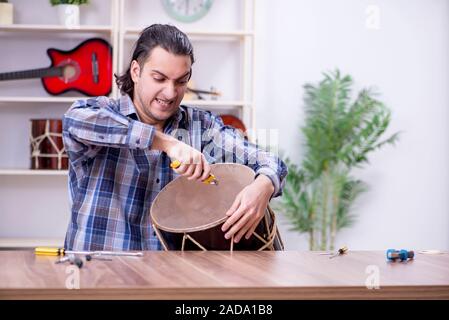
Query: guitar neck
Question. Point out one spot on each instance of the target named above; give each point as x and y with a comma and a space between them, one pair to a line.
212, 93
34, 73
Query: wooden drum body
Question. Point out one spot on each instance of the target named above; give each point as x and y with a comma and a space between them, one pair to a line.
47, 147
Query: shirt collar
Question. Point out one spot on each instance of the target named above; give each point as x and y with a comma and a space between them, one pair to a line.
127, 107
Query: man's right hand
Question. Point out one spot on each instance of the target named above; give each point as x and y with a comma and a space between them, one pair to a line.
193, 163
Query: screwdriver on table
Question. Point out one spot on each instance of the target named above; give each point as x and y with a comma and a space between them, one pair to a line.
72, 259
209, 180
46, 251
340, 252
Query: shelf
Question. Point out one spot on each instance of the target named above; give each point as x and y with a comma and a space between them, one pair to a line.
215, 103
236, 34
30, 243
53, 28
30, 172
199, 103
40, 99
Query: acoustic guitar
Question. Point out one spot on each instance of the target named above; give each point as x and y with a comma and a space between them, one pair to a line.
86, 69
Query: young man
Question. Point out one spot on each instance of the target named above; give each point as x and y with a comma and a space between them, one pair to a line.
120, 151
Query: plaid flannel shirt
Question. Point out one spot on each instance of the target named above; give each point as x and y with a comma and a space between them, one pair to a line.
114, 175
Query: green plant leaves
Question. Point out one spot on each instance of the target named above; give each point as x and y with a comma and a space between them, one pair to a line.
339, 135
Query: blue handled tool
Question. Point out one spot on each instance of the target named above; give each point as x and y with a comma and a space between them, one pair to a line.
403, 255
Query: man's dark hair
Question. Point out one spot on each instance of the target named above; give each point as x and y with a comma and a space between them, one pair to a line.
165, 36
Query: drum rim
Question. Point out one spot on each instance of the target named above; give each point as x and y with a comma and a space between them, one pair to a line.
197, 228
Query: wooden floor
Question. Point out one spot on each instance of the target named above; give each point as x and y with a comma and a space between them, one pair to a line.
225, 275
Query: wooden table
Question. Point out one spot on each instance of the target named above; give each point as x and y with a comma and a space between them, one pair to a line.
225, 275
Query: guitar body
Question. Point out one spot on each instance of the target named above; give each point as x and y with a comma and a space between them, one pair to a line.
86, 69
233, 121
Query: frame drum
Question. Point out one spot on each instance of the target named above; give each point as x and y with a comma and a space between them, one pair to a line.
188, 215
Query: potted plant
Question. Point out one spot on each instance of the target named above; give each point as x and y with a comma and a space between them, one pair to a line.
6, 12
339, 135
68, 11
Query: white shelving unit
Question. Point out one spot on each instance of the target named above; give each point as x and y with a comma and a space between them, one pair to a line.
121, 34
38, 199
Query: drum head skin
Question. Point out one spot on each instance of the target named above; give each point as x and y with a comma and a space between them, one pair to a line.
187, 206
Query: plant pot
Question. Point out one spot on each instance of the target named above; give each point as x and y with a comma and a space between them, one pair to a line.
69, 15
6, 13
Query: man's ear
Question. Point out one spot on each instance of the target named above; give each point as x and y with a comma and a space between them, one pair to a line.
135, 71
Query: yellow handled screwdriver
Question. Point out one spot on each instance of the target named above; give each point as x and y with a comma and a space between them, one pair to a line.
209, 180
47, 251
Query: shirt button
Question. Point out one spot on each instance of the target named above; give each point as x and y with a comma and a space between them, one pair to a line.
157, 180
179, 137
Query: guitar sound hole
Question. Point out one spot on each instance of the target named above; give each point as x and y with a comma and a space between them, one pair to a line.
69, 73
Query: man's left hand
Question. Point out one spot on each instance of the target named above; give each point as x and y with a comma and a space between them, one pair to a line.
248, 209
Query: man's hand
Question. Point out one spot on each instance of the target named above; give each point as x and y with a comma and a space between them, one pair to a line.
248, 209
193, 163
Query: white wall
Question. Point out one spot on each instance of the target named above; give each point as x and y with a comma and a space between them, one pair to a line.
407, 59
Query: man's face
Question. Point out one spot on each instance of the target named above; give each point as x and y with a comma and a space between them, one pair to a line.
160, 85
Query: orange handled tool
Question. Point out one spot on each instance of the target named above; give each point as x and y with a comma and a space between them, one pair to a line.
209, 180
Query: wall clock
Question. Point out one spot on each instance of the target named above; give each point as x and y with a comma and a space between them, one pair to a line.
187, 10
